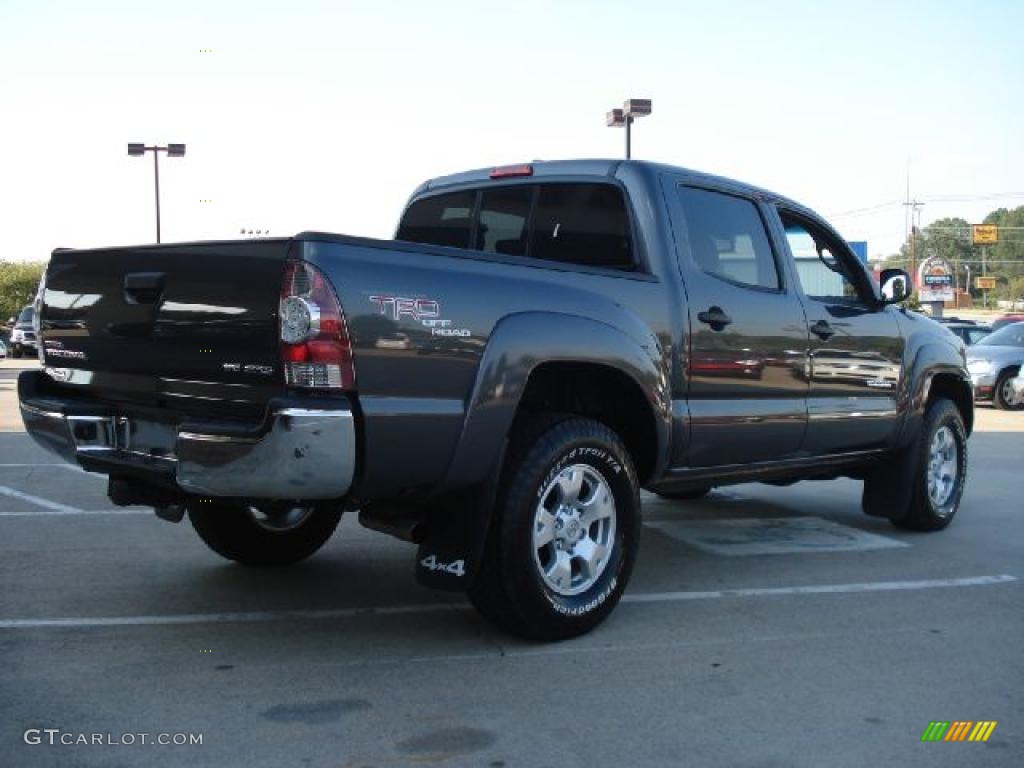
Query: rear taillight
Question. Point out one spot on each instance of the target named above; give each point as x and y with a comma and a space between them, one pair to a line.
315, 347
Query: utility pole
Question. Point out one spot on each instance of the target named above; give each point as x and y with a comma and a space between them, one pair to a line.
914, 207
984, 272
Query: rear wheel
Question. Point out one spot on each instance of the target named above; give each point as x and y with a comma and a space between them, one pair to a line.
1005, 394
938, 483
266, 534
564, 537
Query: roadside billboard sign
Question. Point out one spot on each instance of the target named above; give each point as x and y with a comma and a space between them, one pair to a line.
935, 280
984, 234
985, 283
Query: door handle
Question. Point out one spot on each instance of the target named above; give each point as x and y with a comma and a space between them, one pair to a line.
823, 330
143, 287
714, 317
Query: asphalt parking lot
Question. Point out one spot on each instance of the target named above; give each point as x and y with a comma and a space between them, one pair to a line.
764, 627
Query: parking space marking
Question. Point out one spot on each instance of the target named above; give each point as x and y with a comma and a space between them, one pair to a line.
240, 617
53, 506
338, 613
823, 589
69, 467
773, 536
72, 511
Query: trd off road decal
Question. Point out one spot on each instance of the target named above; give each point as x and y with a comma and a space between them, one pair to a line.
425, 312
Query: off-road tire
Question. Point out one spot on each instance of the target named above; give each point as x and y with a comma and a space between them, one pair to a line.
924, 514
510, 589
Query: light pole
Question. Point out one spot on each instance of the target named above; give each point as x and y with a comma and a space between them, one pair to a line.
172, 150
623, 118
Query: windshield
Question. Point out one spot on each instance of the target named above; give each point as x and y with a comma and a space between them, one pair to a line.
1007, 336
25, 316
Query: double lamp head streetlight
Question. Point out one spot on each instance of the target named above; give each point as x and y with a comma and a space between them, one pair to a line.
172, 150
623, 118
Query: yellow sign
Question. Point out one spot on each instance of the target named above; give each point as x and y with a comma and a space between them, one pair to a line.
984, 234
985, 283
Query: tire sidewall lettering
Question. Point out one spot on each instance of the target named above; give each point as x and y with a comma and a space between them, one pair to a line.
611, 468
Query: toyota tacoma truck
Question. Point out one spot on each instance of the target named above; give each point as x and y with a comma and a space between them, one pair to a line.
498, 383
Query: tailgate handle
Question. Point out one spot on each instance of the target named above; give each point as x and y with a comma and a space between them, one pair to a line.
143, 287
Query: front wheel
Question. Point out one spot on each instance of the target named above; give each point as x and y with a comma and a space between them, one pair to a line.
938, 483
564, 538
266, 534
17, 351
1005, 395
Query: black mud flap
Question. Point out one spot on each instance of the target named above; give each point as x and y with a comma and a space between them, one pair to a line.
889, 487
449, 556
445, 561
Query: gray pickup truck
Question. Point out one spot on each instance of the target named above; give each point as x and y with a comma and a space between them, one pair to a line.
498, 383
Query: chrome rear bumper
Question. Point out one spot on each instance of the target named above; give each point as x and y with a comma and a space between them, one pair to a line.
299, 453
306, 454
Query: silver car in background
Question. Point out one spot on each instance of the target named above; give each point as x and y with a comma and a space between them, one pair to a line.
995, 365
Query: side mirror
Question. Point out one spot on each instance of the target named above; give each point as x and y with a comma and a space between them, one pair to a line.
895, 285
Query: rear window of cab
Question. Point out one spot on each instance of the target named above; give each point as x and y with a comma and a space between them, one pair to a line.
569, 222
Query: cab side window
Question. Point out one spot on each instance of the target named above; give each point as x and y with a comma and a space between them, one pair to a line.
727, 238
822, 265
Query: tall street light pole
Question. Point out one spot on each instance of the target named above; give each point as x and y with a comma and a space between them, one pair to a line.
172, 150
623, 118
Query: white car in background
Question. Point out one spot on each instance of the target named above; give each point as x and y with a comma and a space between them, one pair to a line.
23, 335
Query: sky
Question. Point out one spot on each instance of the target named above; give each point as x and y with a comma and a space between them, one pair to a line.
326, 115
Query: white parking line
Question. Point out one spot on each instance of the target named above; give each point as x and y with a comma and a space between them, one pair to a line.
336, 613
822, 589
73, 511
69, 467
225, 618
53, 506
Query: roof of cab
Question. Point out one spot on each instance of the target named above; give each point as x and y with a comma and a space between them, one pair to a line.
596, 167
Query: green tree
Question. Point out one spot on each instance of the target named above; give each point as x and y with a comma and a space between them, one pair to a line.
18, 283
949, 238
1007, 256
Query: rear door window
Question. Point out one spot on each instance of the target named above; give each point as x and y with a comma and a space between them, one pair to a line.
728, 238
439, 220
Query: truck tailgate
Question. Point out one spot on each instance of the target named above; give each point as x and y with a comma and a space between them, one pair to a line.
178, 326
